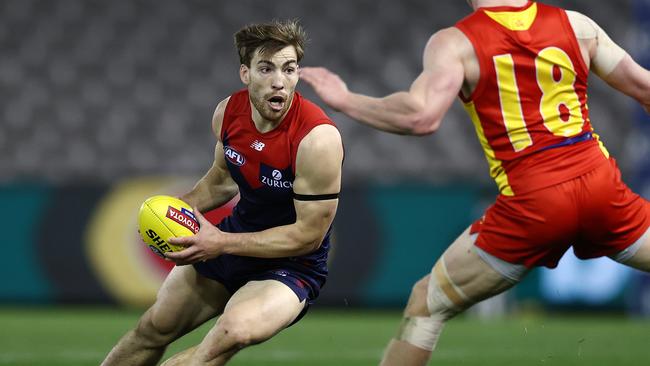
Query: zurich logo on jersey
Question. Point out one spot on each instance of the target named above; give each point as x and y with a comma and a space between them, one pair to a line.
233, 156
276, 178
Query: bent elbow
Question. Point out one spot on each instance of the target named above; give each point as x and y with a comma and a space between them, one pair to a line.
305, 244
313, 246
310, 245
425, 126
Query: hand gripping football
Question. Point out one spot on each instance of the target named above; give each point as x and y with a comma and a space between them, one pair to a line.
162, 217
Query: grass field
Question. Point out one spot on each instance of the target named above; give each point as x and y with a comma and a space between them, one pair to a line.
81, 336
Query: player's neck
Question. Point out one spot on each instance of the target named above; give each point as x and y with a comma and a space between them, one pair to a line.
495, 3
264, 125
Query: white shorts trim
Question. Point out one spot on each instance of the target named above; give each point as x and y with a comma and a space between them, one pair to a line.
510, 271
629, 252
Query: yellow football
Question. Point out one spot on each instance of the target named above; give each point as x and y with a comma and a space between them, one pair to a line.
162, 217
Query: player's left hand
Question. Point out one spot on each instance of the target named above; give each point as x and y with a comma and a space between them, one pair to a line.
204, 245
328, 85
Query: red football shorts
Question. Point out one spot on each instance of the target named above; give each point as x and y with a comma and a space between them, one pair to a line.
596, 213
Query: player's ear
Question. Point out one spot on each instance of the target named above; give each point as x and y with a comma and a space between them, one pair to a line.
244, 74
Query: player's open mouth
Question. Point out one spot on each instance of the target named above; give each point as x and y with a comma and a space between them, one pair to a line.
276, 103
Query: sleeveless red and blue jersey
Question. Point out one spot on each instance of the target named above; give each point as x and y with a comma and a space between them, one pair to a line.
263, 164
529, 107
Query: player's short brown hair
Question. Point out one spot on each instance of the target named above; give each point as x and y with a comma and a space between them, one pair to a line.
269, 38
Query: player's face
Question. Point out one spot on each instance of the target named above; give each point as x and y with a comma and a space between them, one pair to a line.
271, 81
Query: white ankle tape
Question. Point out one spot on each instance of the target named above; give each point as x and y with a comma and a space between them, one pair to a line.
420, 331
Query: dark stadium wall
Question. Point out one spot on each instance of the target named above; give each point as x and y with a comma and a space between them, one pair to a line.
416, 224
355, 250
23, 277
61, 248
79, 244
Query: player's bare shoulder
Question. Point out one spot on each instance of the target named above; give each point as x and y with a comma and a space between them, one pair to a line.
450, 40
323, 140
217, 117
583, 26
319, 160
601, 54
322, 137
451, 45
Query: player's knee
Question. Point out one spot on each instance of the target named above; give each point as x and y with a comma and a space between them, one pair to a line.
417, 303
444, 298
240, 336
156, 330
239, 331
434, 300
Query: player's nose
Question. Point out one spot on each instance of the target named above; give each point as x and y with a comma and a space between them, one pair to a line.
277, 81
277, 84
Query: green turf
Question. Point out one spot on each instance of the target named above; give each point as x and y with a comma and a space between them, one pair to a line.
76, 337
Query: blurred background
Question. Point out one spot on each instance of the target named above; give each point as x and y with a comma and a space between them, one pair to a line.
104, 103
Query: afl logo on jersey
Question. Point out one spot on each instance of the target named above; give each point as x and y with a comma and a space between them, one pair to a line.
233, 156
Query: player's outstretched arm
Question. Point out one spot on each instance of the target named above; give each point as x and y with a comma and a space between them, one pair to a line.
632, 79
417, 111
216, 187
610, 62
318, 172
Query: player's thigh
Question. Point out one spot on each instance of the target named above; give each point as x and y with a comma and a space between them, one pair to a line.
459, 279
256, 312
465, 277
269, 306
641, 257
185, 300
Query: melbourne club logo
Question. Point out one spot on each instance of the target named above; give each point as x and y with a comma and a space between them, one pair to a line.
257, 145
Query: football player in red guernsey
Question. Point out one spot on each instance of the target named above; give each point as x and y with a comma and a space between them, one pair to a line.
520, 70
261, 267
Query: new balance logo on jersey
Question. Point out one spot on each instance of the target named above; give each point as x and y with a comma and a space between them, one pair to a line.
258, 145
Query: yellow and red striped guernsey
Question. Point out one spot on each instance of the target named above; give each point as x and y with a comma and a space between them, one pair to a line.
529, 106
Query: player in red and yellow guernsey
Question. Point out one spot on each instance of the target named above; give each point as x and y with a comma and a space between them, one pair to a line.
520, 69
261, 267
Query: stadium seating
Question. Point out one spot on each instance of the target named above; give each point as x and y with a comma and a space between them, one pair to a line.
102, 90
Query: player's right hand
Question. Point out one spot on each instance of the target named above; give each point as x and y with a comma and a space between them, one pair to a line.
328, 85
204, 245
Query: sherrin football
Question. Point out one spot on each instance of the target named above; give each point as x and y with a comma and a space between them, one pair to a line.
162, 217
